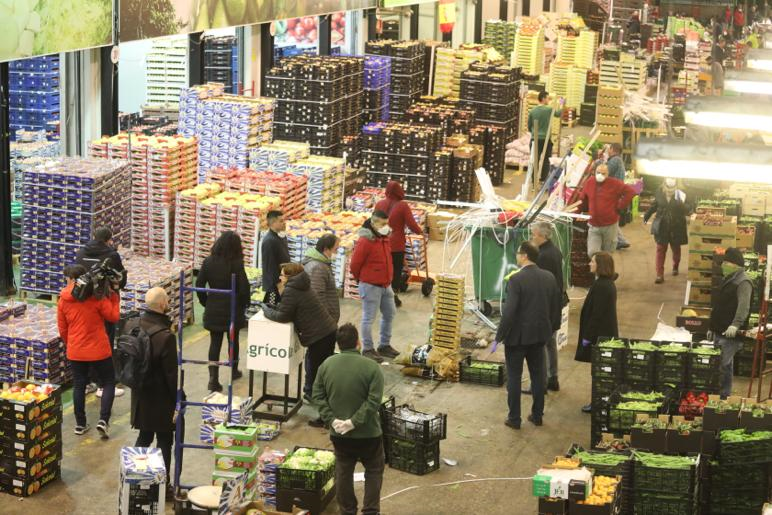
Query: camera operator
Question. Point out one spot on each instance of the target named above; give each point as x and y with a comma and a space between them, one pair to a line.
82, 328
95, 252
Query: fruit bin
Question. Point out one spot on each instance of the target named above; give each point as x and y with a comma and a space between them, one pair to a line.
490, 373
662, 478
655, 503
413, 457
409, 424
744, 452
306, 478
621, 418
20, 410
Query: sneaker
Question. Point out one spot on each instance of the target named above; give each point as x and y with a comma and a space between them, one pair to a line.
387, 351
535, 421
373, 355
80, 430
118, 392
104, 429
91, 388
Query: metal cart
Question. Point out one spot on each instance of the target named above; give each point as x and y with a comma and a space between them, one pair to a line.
419, 273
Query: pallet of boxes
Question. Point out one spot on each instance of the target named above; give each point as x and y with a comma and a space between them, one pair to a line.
709, 230
30, 437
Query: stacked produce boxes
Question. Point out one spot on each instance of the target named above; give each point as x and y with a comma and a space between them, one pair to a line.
325, 176
586, 46
501, 35
289, 189
235, 453
65, 200
29, 148
608, 117
580, 263
30, 437
278, 156
665, 484
308, 476
143, 481
319, 99
493, 139
494, 93
30, 346
33, 88
221, 62
448, 311
412, 439
160, 167
267, 476
407, 71
166, 68
707, 232
16, 215
377, 88
529, 49
227, 126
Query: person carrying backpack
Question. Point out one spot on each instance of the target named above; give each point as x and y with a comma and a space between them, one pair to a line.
82, 328
153, 401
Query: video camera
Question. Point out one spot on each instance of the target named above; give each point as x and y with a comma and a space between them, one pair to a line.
98, 282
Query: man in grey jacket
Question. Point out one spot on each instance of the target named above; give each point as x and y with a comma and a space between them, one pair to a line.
318, 266
731, 307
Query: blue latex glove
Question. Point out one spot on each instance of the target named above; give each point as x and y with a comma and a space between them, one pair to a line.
494, 346
585, 343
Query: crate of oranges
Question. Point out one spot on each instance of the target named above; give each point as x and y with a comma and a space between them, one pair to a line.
603, 500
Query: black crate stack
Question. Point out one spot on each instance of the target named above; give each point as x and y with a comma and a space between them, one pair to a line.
319, 99
494, 141
493, 91
407, 71
607, 374
666, 489
438, 183
412, 439
377, 88
401, 152
221, 63
732, 487
580, 263
30, 437
588, 107
441, 111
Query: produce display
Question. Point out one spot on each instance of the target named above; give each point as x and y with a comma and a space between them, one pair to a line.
166, 68
306, 469
407, 71
65, 200
278, 156
325, 177
529, 48
500, 34
493, 91
290, 189
377, 88
29, 149
267, 476
448, 311
603, 490
227, 126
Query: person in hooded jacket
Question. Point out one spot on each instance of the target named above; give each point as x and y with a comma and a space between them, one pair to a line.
82, 329
371, 265
599, 311
669, 227
318, 266
400, 215
226, 259
314, 326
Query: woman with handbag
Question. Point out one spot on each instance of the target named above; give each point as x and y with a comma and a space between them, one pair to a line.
669, 226
315, 327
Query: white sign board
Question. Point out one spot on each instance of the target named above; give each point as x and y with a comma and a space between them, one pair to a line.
562, 334
272, 347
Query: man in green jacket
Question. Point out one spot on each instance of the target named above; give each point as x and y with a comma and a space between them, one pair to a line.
348, 391
539, 120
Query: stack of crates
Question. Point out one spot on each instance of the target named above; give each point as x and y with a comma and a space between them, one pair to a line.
33, 95
142, 487
448, 311
30, 437
377, 84
167, 72
608, 114
412, 439
235, 453
305, 486
529, 49
501, 35
743, 359
707, 232
581, 275
665, 488
607, 373
221, 63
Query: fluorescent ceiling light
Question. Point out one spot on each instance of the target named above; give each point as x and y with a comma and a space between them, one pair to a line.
729, 113
676, 158
760, 59
749, 81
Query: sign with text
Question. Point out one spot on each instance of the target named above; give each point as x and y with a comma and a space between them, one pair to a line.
271, 346
40, 27
142, 19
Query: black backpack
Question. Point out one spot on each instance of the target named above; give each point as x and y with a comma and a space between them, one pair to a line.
134, 353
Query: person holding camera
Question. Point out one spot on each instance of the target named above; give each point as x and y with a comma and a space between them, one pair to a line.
101, 250
82, 329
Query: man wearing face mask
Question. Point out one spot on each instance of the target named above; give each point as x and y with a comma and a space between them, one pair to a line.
616, 169
603, 197
731, 307
274, 251
669, 227
371, 265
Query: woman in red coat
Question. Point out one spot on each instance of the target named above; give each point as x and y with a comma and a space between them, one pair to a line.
400, 215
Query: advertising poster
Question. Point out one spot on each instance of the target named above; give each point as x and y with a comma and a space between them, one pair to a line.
141, 19
39, 27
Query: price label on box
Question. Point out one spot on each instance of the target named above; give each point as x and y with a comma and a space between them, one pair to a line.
272, 346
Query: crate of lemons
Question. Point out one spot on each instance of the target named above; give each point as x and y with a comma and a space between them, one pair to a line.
604, 490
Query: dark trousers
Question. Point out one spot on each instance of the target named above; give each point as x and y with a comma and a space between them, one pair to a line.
534, 356
105, 372
316, 353
164, 441
368, 451
397, 262
110, 330
215, 344
546, 152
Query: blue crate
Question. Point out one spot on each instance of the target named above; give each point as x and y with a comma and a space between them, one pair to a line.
21, 116
33, 81
36, 64
45, 101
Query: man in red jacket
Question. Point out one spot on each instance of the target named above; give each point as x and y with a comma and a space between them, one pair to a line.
603, 197
400, 215
371, 265
82, 328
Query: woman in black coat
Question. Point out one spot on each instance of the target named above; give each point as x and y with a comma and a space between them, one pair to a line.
669, 227
599, 311
227, 258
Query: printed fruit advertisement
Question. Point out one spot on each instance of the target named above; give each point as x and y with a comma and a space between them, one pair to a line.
39, 27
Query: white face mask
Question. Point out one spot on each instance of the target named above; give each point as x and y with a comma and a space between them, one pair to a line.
670, 183
282, 234
384, 231
600, 177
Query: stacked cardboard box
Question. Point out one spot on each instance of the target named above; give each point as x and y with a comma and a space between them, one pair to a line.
501, 35
235, 453
29, 149
30, 437
143, 481
278, 156
377, 88
407, 71
608, 115
325, 177
448, 311
215, 414
494, 94
529, 48
707, 232
289, 188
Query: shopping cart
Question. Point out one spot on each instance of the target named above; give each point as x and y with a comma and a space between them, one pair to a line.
416, 267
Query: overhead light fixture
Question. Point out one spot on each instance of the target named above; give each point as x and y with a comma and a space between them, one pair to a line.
754, 82
759, 59
729, 113
668, 157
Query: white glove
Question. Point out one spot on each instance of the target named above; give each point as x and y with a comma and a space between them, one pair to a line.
342, 426
730, 332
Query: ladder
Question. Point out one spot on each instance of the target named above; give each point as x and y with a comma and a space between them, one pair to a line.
182, 403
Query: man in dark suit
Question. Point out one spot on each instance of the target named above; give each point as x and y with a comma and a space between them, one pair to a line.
274, 253
529, 317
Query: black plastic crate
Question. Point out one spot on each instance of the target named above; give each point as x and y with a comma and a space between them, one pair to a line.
606, 371
413, 457
665, 480
671, 373
657, 503
704, 362
309, 480
602, 388
744, 453
314, 502
705, 380
490, 373
428, 428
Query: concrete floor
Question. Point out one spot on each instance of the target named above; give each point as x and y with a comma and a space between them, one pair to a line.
477, 437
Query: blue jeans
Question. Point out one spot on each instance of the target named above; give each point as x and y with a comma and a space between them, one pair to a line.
105, 373
728, 349
373, 298
534, 356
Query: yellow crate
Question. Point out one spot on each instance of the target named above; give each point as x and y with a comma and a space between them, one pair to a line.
701, 243
700, 261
